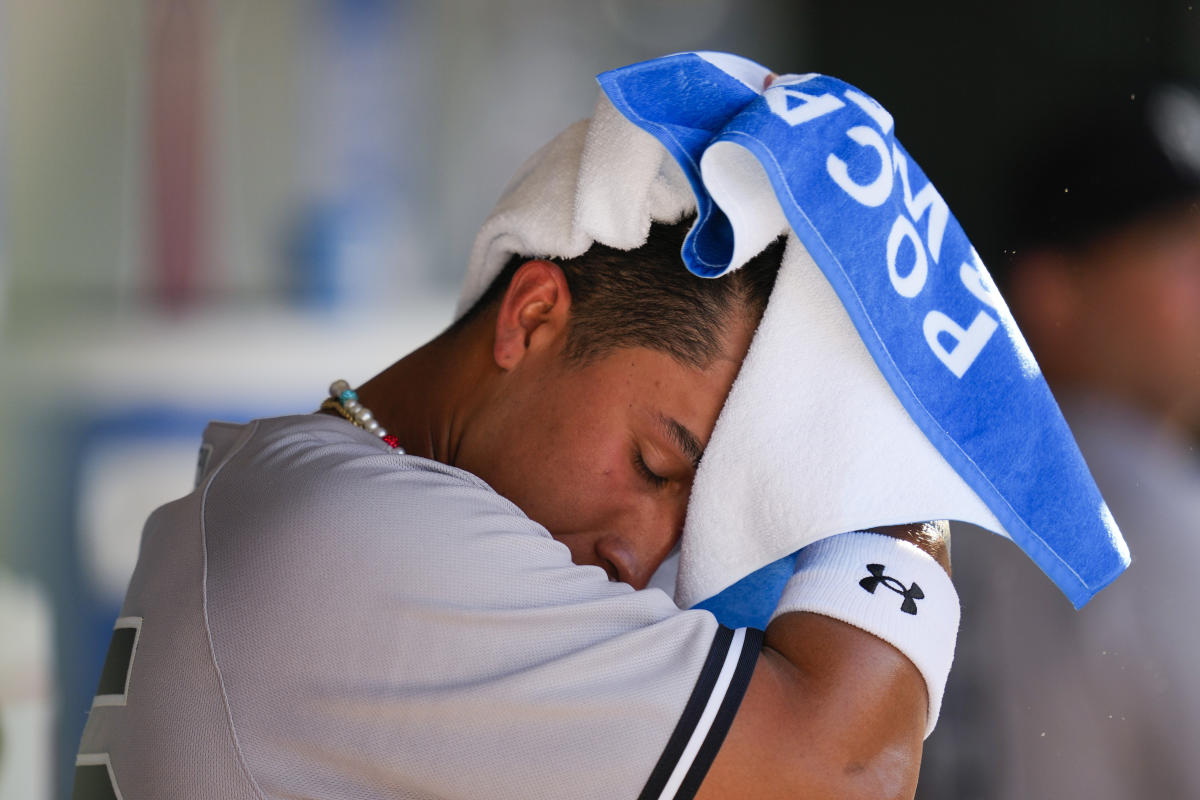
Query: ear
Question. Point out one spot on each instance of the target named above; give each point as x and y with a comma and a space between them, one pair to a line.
533, 312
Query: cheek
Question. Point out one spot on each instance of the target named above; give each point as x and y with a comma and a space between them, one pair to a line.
1168, 314
1165, 293
1146, 329
584, 445
569, 477
1137, 311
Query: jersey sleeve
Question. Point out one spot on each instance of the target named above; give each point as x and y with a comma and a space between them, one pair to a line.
706, 717
386, 626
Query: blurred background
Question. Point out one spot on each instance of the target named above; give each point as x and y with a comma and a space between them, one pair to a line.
213, 208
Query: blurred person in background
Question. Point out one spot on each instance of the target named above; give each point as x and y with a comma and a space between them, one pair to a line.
1103, 275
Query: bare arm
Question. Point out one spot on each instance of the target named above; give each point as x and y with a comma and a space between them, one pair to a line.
831, 712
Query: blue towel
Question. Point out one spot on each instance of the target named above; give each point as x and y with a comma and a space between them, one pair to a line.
915, 289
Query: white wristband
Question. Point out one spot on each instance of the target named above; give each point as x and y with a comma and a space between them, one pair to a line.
887, 587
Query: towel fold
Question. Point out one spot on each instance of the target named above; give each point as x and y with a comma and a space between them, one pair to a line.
887, 382
809, 381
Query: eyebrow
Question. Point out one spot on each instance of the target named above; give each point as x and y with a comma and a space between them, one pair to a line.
684, 439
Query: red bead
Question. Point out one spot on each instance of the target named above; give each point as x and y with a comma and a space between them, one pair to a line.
391, 441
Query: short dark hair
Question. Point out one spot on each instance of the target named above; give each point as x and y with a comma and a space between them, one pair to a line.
646, 297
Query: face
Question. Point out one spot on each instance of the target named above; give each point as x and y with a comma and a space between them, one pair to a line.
1142, 295
603, 455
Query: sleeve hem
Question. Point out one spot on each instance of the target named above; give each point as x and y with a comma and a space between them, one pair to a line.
706, 717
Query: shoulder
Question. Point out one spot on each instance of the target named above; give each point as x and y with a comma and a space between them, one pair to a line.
315, 462
311, 444
380, 590
313, 501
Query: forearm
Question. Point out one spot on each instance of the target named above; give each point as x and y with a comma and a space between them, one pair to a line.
834, 711
857, 708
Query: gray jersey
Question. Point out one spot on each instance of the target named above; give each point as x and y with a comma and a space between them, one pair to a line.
324, 617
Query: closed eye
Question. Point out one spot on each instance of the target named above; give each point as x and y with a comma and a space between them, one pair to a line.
651, 477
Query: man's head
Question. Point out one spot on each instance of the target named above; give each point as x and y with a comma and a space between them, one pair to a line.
1103, 271
605, 377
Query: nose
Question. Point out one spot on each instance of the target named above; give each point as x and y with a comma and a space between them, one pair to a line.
637, 551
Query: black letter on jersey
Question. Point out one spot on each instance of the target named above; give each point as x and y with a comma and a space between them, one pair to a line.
94, 778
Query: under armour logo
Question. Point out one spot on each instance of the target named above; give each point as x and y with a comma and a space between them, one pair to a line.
911, 594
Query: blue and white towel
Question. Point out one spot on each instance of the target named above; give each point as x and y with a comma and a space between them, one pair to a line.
887, 382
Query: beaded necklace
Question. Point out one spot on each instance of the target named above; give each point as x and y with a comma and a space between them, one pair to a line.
344, 401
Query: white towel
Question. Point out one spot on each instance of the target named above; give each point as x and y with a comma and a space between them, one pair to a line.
812, 442
601, 180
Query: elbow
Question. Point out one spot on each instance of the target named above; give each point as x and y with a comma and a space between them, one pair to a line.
861, 751
890, 774
835, 757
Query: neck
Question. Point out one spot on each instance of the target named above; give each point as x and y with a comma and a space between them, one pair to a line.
425, 398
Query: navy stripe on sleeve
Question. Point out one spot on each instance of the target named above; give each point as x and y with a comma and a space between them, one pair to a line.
729, 706
706, 717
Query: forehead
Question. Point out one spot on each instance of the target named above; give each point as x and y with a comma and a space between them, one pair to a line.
656, 390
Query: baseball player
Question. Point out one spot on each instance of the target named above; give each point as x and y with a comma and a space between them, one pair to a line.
435, 588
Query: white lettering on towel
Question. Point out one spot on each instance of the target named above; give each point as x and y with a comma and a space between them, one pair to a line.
955, 347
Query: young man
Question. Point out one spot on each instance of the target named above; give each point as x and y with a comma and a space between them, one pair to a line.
464, 615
